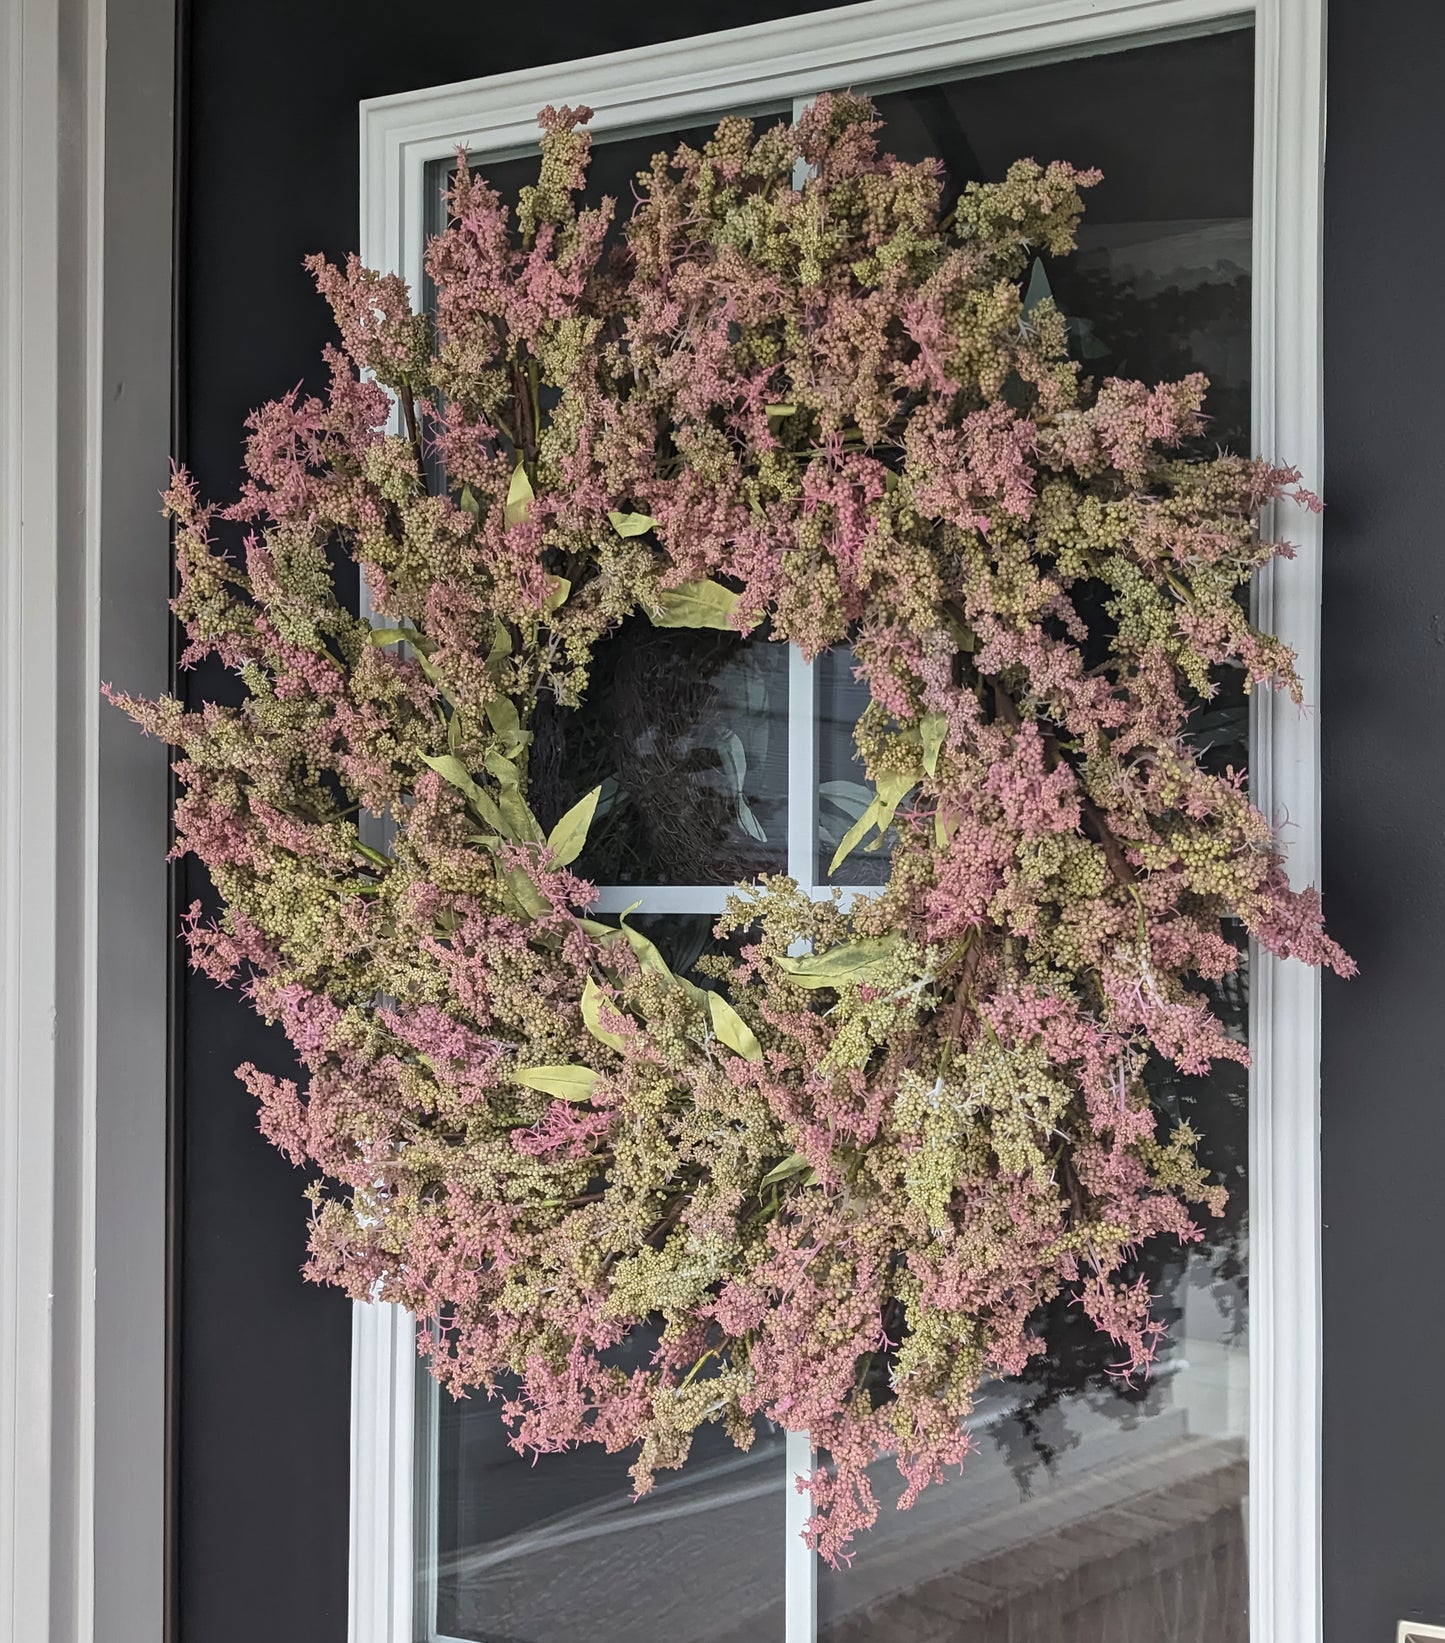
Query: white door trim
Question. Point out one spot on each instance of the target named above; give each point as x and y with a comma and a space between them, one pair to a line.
1285, 1344
684, 81
86, 94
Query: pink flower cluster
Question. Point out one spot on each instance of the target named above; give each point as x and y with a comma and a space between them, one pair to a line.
841, 1175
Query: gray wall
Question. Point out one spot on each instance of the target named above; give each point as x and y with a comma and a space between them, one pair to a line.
1381, 717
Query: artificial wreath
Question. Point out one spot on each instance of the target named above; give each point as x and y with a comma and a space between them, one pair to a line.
835, 1174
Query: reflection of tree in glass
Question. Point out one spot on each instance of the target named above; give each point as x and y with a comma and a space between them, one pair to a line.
1076, 1360
686, 733
1125, 326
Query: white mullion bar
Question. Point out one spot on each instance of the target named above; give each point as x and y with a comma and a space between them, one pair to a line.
800, 1562
661, 898
802, 769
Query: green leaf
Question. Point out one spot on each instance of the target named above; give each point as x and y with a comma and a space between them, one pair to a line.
631, 524
521, 824
503, 717
570, 834
846, 965
451, 768
594, 927
646, 951
650, 959
567, 1083
418, 643
932, 727
731, 1029
469, 502
520, 497
592, 999
524, 895
733, 759
704, 604
793, 1164
750, 823
780, 410
558, 589
399, 636
892, 790
856, 834
852, 798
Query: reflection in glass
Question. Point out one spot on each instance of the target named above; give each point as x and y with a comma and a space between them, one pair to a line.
686, 732
1094, 1511
684, 938
559, 1551
843, 790
1090, 1510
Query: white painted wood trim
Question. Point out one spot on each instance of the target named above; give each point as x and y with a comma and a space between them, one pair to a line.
383, 1461
86, 91
802, 769
894, 40
1285, 1362
32, 1404
769, 65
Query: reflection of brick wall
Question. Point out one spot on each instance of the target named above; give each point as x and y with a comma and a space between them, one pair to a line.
1166, 1567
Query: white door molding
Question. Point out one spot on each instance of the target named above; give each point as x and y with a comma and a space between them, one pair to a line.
1285, 1337
872, 44
769, 65
86, 94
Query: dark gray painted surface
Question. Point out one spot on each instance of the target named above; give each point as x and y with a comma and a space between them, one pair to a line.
271, 165
1381, 717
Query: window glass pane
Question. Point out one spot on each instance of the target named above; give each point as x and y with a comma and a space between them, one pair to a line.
558, 1551
843, 789
612, 172
1092, 1510
687, 733
684, 938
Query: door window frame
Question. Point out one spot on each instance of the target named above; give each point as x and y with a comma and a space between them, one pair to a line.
876, 44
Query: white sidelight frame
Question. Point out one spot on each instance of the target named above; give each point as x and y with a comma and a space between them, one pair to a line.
86, 191
872, 44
